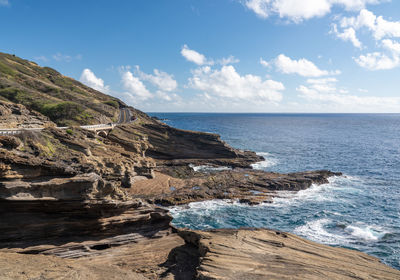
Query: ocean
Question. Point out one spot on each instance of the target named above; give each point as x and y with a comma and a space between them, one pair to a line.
360, 210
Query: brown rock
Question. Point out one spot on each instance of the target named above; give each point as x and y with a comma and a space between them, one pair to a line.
268, 254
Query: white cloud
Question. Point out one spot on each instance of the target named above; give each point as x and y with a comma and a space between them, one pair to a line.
379, 27
348, 34
322, 85
260, 7
355, 5
264, 63
4, 3
168, 97
137, 91
350, 102
228, 84
228, 60
322, 81
302, 67
381, 30
134, 86
89, 78
378, 61
194, 56
162, 80
298, 11
324, 92
200, 59
65, 57
391, 46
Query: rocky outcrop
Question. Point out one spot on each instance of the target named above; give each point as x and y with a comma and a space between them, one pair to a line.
17, 116
269, 254
54, 153
175, 147
26, 267
245, 185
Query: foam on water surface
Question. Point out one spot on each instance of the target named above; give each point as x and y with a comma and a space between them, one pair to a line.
268, 161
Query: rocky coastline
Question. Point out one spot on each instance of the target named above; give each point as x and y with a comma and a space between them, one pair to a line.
75, 204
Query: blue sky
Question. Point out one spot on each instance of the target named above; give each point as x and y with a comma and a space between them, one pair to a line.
218, 56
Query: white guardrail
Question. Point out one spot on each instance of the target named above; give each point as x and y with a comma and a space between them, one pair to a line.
13, 131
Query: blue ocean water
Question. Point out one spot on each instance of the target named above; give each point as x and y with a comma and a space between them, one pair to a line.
360, 210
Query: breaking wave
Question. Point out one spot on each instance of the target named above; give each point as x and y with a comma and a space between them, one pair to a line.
268, 161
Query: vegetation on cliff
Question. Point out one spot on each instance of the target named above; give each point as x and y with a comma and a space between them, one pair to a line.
64, 100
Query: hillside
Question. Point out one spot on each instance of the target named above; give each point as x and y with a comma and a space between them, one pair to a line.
63, 100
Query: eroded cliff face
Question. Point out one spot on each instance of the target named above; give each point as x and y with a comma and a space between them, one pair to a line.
175, 147
17, 116
77, 205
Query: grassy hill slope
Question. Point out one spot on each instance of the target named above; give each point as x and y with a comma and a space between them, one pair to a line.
64, 100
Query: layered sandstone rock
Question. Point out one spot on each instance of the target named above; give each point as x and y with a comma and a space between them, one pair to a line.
246, 185
175, 147
17, 116
268, 254
27, 267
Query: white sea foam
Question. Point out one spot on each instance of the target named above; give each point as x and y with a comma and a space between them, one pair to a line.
320, 193
268, 161
328, 232
366, 232
313, 193
207, 206
315, 230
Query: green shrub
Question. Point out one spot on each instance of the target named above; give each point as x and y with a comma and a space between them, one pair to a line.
69, 131
112, 103
61, 110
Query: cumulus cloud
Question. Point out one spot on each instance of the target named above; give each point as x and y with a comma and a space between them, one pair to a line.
142, 87
227, 83
298, 11
162, 80
201, 59
89, 78
302, 67
379, 27
134, 86
378, 61
382, 30
348, 34
194, 56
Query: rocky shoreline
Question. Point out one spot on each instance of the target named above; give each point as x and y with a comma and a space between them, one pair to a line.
76, 205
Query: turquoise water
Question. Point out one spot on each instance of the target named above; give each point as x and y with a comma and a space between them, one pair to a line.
360, 210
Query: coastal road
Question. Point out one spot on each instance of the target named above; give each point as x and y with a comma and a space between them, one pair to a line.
125, 115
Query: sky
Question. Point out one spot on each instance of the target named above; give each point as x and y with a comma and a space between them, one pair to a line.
294, 56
